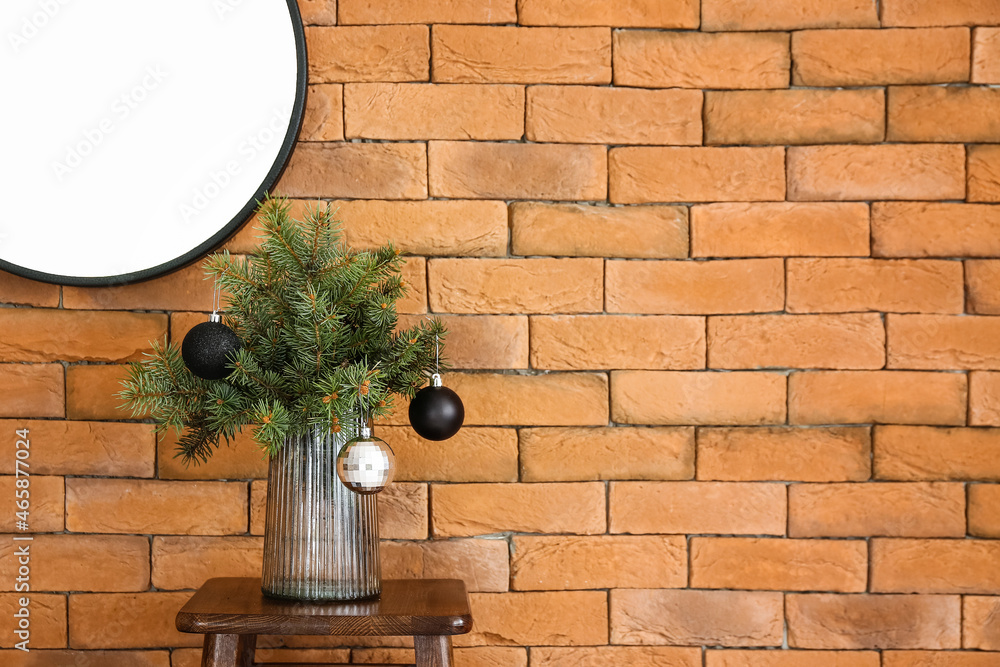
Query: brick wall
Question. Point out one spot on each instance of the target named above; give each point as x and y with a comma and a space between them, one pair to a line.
723, 292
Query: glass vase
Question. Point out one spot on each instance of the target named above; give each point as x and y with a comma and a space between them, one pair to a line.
320, 538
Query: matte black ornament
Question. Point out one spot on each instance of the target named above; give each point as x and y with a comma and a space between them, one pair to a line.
208, 349
436, 412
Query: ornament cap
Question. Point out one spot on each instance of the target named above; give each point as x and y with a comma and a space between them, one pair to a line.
215, 317
436, 380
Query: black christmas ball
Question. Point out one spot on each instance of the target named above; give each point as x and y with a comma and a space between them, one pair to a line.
436, 413
208, 350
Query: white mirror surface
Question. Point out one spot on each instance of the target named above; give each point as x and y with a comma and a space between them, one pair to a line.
136, 135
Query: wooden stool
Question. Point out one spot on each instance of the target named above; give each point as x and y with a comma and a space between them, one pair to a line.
232, 611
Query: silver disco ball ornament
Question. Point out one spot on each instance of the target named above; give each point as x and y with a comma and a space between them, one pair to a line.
366, 464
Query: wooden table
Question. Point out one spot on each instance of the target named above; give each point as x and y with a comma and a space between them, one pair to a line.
232, 611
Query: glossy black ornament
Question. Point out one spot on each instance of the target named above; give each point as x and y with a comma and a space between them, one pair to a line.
436, 412
208, 349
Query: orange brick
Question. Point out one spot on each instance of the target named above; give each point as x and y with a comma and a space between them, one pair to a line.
916, 13
982, 279
882, 397
543, 285
598, 231
880, 57
779, 564
924, 452
925, 171
318, 12
127, 620
55, 658
984, 173
414, 276
423, 11
981, 624
984, 398
553, 618
92, 391
66, 335
828, 621
357, 170
48, 621
26, 292
85, 448
80, 563
605, 561
147, 506
577, 454
181, 323
403, 512
186, 289
685, 617
680, 397
937, 659
986, 55
787, 15
838, 285
482, 341
368, 53
240, 459
426, 227
784, 454
915, 229
480, 170
471, 455
861, 510
736, 508
624, 14
943, 342
926, 113
565, 342
600, 656
481, 54
480, 509
556, 399
935, 566
481, 563
644, 174
48, 500
730, 286
32, 390
187, 562
794, 116
433, 111
324, 115
779, 229
852, 340
984, 510
697, 60
790, 658
598, 115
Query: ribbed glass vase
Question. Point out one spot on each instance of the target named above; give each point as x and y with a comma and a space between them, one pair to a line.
320, 538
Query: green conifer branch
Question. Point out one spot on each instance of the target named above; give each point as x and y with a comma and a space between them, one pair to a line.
318, 326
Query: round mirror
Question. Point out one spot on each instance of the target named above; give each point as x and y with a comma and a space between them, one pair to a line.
137, 135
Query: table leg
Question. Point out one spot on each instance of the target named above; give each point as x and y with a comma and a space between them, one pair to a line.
433, 650
246, 648
220, 651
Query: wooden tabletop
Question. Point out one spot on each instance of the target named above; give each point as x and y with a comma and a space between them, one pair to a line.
235, 605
